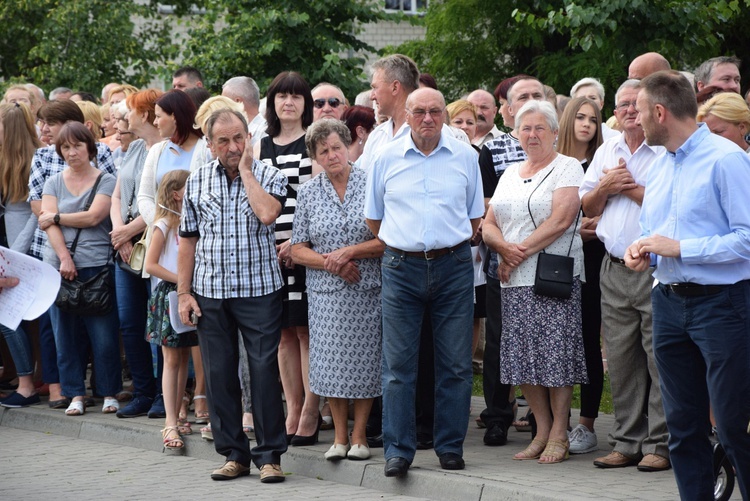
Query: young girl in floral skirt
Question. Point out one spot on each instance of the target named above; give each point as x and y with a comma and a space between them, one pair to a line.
161, 263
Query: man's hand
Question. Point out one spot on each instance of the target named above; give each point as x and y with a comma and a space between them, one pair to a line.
187, 305
246, 160
635, 260
284, 252
659, 245
616, 179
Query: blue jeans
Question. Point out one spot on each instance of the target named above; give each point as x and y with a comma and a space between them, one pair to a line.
702, 350
132, 302
444, 289
20, 349
71, 352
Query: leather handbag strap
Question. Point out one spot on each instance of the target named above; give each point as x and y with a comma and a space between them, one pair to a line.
528, 207
85, 208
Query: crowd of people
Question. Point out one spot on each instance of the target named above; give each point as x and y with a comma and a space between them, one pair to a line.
327, 251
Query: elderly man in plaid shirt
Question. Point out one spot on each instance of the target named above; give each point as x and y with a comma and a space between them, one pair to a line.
229, 277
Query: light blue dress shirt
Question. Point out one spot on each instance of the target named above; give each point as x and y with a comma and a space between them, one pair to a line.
424, 202
700, 195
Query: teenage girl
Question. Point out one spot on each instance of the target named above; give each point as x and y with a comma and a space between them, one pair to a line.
161, 263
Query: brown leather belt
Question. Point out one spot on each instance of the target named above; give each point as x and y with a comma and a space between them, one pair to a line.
689, 289
428, 255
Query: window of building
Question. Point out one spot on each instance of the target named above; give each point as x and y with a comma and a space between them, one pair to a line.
407, 6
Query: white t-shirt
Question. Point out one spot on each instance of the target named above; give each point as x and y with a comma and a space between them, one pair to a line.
168, 257
510, 205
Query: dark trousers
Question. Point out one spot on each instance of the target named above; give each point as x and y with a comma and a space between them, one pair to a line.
498, 410
702, 351
259, 322
591, 320
425, 403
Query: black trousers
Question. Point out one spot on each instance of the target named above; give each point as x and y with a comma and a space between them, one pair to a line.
258, 320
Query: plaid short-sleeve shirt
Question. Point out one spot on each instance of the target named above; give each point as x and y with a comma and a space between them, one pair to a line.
235, 255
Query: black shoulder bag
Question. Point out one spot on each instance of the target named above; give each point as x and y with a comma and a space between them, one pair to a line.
554, 273
93, 297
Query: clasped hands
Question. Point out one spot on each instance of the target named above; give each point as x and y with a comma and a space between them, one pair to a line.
512, 256
339, 263
638, 255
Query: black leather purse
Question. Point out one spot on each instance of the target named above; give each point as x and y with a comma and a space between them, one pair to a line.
554, 273
92, 297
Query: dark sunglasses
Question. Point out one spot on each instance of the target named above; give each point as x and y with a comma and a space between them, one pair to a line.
333, 101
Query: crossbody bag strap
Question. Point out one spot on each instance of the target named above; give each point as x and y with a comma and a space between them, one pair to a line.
528, 207
85, 208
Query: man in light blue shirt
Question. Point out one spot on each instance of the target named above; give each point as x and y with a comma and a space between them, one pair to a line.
695, 223
424, 200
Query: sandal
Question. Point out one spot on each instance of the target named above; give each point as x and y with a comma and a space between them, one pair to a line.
183, 426
249, 431
111, 405
185, 407
533, 451
206, 433
523, 424
327, 421
75, 408
201, 417
171, 442
558, 450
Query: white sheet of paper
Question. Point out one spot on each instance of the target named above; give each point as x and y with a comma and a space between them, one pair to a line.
174, 314
37, 289
479, 277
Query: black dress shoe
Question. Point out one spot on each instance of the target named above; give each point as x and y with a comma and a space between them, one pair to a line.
451, 461
396, 467
375, 441
424, 443
496, 434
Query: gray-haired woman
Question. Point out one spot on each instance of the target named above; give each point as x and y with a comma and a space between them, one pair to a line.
331, 239
535, 208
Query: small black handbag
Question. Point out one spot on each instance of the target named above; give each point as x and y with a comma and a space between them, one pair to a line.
554, 273
92, 297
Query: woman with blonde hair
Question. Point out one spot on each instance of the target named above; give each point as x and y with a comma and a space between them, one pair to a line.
18, 141
92, 119
727, 115
202, 153
463, 115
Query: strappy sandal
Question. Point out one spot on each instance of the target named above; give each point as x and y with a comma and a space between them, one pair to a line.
185, 407
171, 442
206, 433
110, 406
183, 426
75, 408
558, 450
201, 417
523, 424
533, 451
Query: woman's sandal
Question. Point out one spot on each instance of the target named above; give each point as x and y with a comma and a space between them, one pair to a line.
558, 450
185, 407
206, 433
75, 408
533, 451
201, 417
110, 406
523, 424
172, 442
183, 426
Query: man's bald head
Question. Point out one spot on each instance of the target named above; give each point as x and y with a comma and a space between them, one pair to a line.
645, 64
423, 94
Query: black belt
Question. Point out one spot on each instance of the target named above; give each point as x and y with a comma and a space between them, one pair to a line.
615, 259
689, 289
428, 255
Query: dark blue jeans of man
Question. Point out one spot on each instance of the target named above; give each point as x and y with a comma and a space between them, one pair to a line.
444, 288
702, 350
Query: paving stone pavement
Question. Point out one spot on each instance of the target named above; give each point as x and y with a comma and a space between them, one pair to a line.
99, 456
41, 466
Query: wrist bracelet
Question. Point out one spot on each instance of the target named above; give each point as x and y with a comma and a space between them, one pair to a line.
181, 293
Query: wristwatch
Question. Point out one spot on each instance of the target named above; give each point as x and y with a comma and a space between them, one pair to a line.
57, 218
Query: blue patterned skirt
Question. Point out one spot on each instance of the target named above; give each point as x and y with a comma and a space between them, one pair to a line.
159, 329
541, 343
345, 343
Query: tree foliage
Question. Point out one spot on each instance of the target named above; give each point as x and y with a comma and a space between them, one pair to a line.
261, 38
477, 43
83, 44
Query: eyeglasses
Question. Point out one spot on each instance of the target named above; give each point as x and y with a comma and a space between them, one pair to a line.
333, 102
419, 114
624, 105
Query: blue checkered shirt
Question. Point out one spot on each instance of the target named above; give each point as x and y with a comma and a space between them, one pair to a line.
235, 255
47, 163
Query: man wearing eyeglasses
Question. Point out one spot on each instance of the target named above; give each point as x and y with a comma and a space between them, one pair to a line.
328, 102
613, 188
424, 201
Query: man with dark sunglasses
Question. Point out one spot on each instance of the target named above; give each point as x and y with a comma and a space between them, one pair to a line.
328, 102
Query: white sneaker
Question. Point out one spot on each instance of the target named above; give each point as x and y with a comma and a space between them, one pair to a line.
582, 440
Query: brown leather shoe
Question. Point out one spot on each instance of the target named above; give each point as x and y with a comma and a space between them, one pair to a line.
271, 473
615, 460
654, 462
230, 470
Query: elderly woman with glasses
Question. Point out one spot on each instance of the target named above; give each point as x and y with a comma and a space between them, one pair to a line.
535, 209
